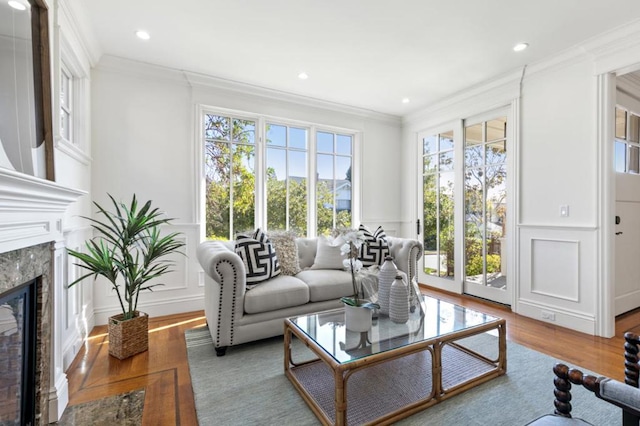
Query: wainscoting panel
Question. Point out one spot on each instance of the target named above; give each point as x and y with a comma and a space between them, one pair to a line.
555, 268
557, 275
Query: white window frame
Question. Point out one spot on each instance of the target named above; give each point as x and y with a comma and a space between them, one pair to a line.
260, 167
77, 146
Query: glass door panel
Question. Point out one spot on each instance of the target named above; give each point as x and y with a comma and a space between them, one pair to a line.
438, 180
485, 209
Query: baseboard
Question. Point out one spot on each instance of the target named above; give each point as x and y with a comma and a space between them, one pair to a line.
155, 309
559, 317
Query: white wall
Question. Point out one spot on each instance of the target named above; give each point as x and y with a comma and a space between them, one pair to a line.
145, 141
558, 151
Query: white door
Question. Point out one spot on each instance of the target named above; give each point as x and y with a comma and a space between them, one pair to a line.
439, 165
485, 208
627, 242
627, 228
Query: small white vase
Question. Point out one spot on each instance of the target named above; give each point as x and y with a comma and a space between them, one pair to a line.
399, 301
357, 318
387, 274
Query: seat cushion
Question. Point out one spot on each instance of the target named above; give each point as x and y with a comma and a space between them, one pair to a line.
327, 284
280, 292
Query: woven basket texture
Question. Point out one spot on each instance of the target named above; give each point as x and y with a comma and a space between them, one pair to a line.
129, 337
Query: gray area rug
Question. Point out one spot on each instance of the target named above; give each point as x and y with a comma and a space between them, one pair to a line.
124, 409
247, 386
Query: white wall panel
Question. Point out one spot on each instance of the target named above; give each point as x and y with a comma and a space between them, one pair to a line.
558, 147
557, 276
555, 268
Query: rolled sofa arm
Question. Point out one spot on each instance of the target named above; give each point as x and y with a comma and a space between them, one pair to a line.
225, 286
406, 253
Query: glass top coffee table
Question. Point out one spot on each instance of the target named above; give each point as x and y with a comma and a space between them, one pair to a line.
392, 370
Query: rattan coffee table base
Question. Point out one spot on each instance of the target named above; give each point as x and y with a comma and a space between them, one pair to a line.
385, 388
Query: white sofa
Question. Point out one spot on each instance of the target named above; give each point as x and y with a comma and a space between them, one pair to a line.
236, 316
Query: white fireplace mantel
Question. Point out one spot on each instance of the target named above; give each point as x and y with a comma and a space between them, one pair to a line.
31, 209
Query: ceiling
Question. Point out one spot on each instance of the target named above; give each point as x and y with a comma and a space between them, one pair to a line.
364, 53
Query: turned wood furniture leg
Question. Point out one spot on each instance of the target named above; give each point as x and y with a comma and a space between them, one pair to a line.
562, 391
631, 358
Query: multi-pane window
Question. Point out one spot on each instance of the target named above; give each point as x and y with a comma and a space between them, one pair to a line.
334, 160
262, 173
438, 187
627, 142
66, 104
230, 175
287, 178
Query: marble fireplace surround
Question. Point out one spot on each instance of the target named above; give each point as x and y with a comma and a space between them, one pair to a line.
31, 230
18, 267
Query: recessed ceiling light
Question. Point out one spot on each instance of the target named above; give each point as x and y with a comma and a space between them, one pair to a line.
17, 5
520, 47
303, 76
406, 100
143, 35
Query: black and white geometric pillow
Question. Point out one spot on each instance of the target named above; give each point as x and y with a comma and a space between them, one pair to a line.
259, 257
375, 248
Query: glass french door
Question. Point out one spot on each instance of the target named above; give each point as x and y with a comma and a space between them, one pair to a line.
485, 209
437, 220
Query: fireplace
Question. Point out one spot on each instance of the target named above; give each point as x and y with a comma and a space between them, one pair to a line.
17, 354
25, 276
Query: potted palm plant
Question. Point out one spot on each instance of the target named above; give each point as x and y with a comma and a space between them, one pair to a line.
129, 252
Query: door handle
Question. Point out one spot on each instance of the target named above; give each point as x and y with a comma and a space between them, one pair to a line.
618, 233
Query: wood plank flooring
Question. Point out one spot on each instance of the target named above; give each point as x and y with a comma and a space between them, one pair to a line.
164, 372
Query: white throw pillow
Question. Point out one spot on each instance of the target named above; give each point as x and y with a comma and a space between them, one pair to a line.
328, 256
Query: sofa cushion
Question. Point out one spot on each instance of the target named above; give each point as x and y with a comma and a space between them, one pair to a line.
307, 248
277, 293
259, 257
375, 248
327, 284
328, 255
284, 243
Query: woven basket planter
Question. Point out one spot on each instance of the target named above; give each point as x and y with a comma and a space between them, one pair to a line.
128, 337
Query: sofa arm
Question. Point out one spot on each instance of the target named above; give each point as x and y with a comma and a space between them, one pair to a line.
406, 253
224, 290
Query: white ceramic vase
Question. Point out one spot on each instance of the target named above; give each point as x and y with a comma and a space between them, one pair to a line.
399, 301
386, 276
357, 318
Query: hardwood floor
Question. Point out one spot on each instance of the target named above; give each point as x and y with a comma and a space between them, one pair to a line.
164, 373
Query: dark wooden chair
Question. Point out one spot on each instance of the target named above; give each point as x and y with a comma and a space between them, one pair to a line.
624, 395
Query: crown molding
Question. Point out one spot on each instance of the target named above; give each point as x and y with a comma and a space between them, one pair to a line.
145, 70
485, 96
202, 80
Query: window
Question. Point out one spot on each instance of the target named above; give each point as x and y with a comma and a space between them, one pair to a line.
287, 178
627, 142
438, 199
66, 104
230, 175
333, 185
294, 163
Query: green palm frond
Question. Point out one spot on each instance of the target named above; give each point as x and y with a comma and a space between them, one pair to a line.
128, 250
